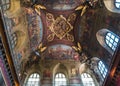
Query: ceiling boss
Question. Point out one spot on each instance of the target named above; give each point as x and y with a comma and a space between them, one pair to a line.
60, 27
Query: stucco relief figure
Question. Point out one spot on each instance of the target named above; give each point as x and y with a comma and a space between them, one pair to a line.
86, 4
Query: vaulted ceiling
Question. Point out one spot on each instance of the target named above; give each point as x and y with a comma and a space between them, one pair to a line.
51, 32
59, 25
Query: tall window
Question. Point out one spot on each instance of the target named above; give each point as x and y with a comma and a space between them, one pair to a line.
60, 79
117, 4
112, 40
87, 80
33, 80
103, 70
5, 4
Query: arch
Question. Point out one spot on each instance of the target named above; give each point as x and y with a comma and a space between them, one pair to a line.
110, 5
83, 68
33, 80
103, 35
60, 68
87, 79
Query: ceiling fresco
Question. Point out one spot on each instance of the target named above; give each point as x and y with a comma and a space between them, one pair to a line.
49, 29
35, 28
60, 4
61, 52
58, 31
53, 24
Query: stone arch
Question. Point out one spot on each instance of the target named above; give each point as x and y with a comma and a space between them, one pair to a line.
101, 39
110, 5
60, 68
87, 79
30, 73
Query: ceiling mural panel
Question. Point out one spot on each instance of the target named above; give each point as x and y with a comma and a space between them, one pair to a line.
61, 52
61, 4
35, 28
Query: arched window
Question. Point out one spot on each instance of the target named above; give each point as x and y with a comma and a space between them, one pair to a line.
108, 40
87, 80
103, 70
5, 4
60, 80
33, 80
112, 5
117, 4
111, 40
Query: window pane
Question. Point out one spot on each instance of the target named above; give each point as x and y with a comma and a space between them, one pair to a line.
112, 36
5, 4
117, 3
60, 80
87, 80
33, 80
102, 69
7, 1
117, 0
112, 40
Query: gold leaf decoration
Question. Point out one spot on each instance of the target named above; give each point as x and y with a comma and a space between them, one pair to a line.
79, 7
50, 37
49, 16
60, 27
72, 17
38, 8
70, 37
77, 48
40, 45
83, 8
41, 48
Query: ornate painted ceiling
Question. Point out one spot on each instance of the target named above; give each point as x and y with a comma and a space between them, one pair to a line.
52, 27
55, 24
50, 32
46, 30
